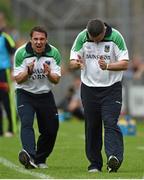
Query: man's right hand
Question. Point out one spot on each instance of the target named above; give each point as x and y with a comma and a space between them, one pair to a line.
30, 67
77, 63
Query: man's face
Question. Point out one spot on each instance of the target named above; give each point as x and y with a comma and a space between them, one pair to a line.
97, 38
38, 42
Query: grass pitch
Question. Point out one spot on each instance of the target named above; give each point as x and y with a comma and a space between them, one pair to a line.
68, 160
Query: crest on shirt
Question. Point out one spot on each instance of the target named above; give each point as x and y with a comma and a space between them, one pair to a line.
107, 48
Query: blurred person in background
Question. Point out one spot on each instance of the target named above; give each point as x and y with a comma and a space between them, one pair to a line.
7, 49
75, 105
36, 70
64, 114
71, 103
137, 67
101, 54
135, 71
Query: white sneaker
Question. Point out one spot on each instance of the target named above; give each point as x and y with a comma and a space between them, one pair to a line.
8, 134
42, 165
93, 170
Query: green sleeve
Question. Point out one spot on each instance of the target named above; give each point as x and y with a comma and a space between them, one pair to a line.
79, 41
19, 56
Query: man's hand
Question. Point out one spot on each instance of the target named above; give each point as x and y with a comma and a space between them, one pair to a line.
47, 69
53, 77
77, 63
80, 62
30, 67
24, 76
103, 65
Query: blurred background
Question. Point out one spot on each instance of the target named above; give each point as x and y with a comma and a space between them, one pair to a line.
64, 19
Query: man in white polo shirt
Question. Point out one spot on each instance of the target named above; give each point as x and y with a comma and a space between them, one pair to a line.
36, 70
101, 54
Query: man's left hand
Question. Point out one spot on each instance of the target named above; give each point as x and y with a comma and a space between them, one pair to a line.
102, 63
47, 69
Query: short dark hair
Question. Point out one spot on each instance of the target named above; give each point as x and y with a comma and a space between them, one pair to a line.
95, 27
38, 29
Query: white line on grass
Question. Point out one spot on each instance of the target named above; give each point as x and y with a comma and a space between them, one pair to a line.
11, 165
81, 136
140, 148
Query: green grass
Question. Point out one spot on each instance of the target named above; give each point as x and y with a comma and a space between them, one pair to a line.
68, 159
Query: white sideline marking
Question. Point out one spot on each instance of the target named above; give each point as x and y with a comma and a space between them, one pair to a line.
11, 165
140, 148
81, 136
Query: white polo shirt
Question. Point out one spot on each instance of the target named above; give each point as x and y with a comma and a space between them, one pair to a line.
112, 48
38, 82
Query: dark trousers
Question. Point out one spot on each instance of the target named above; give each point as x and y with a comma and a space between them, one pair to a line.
5, 101
102, 106
44, 107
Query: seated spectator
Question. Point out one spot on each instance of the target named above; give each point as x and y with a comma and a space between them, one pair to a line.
75, 106
64, 103
72, 102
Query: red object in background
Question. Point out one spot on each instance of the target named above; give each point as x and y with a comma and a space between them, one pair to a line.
4, 86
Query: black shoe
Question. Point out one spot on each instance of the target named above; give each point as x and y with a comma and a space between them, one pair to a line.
113, 164
26, 160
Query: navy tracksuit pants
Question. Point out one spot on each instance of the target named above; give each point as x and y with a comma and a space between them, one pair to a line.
102, 106
43, 105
